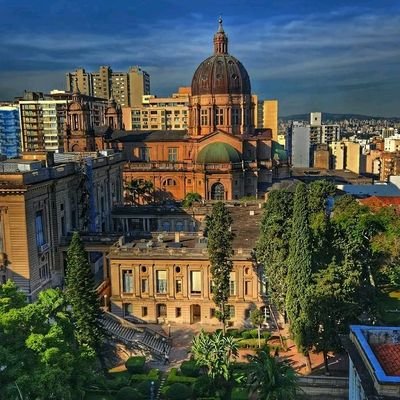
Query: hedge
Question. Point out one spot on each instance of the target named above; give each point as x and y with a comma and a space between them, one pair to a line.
178, 391
190, 368
239, 394
127, 393
153, 375
135, 365
173, 377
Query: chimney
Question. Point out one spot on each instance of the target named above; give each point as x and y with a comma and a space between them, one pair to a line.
177, 237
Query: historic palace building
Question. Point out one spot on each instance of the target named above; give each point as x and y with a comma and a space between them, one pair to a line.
165, 277
221, 155
44, 197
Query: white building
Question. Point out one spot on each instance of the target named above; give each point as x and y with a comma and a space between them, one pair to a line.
300, 148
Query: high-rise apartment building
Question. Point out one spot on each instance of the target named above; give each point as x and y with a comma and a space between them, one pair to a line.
164, 113
316, 118
43, 117
101, 83
84, 80
139, 85
10, 133
300, 145
127, 88
271, 117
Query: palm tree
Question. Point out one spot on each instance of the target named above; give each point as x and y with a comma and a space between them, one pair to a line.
271, 379
216, 353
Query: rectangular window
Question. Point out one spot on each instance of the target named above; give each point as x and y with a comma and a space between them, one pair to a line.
235, 116
161, 284
144, 311
231, 311
127, 281
212, 312
172, 154
178, 286
247, 288
145, 285
39, 229
178, 312
219, 116
204, 117
44, 272
144, 153
195, 282
232, 284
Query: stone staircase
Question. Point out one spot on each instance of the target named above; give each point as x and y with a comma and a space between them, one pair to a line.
156, 343
135, 337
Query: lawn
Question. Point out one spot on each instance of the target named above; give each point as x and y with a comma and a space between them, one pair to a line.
388, 303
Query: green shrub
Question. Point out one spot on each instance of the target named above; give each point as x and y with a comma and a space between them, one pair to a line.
190, 368
127, 393
266, 335
203, 387
144, 389
117, 381
173, 377
239, 394
235, 333
250, 334
135, 365
178, 391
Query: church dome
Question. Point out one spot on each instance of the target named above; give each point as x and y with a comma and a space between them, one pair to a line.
221, 73
215, 153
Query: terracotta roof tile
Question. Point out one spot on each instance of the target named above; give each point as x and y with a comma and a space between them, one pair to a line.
388, 355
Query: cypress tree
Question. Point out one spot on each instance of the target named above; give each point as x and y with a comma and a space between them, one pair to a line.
82, 297
219, 245
273, 244
299, 277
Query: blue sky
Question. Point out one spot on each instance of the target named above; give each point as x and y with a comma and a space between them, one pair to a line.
334, 56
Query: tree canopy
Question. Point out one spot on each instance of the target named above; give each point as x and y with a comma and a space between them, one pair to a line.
39, 354
219, 246
82, 297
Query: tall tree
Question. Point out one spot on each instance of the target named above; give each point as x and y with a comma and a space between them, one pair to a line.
216, 352
39, 354
319, 193
271, 379
82, 297
273, 244
300, 274
219, 245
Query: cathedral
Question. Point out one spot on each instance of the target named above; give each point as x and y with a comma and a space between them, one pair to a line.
221, 156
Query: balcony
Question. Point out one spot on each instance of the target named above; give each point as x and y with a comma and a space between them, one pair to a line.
181, 166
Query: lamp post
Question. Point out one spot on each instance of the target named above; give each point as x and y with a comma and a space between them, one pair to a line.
152, 390
105, 303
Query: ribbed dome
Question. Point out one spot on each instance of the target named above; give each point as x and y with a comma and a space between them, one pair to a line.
218, 153
221, 73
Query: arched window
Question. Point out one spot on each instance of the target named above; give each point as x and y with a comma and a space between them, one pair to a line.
217, 191
169, 182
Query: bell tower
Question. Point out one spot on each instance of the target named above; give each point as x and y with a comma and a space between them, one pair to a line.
79, 132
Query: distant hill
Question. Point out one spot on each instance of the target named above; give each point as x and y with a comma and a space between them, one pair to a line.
335, 117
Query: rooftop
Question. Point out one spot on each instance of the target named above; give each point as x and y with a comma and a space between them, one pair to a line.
245, 226
388, 355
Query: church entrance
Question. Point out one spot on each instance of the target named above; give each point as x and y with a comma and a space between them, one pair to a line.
217, 191
195, 313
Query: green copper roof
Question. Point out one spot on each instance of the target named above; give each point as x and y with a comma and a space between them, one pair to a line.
278, 152
218, 153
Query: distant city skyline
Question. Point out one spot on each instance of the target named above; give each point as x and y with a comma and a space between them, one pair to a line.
330, 56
